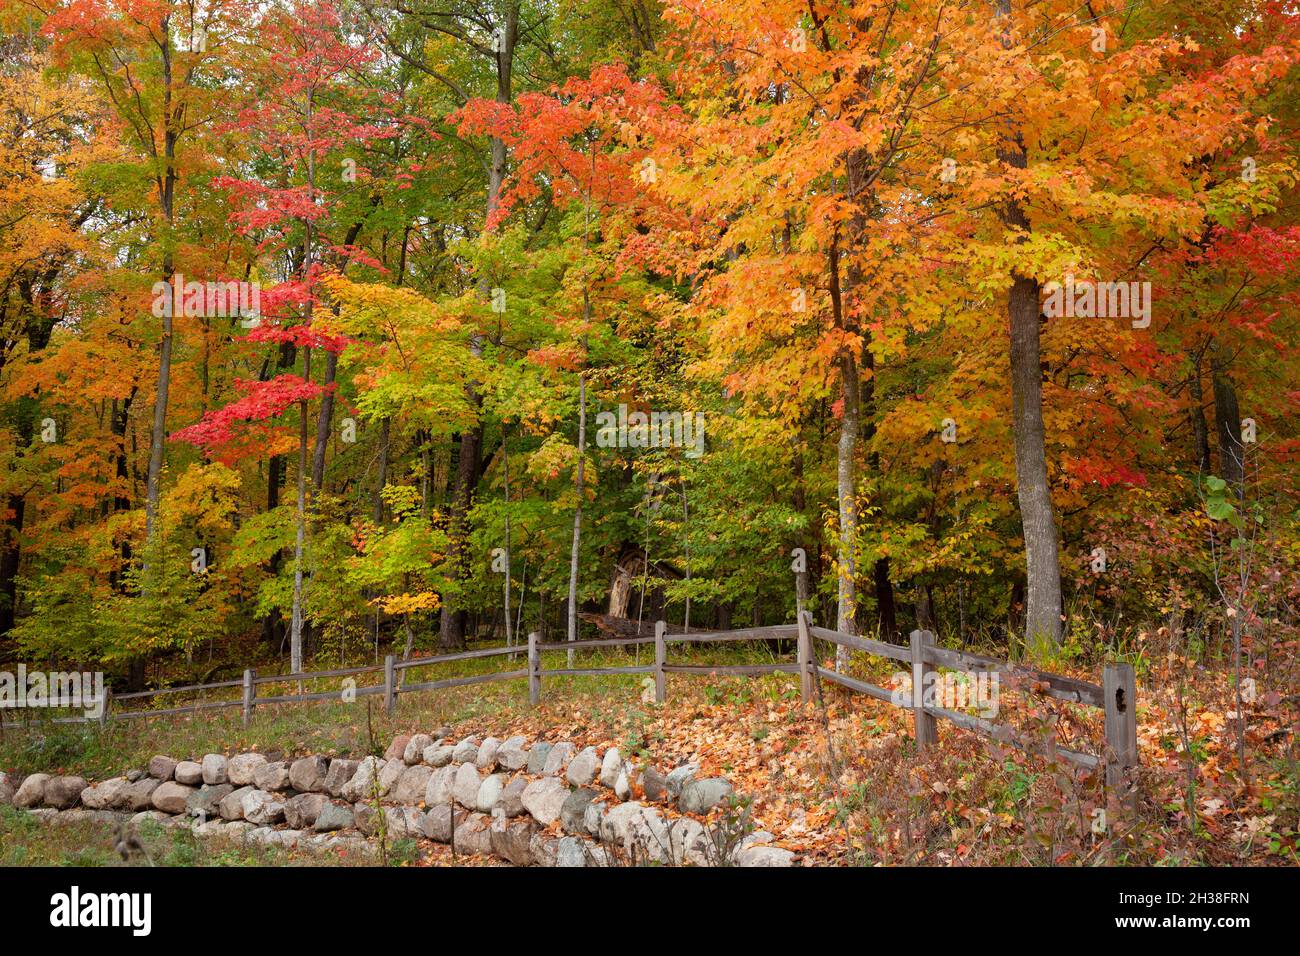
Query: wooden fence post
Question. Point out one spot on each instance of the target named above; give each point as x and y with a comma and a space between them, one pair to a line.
534, 671
1119, 698
390, 684
250, 690
805, 658
661, 658
105, 701
925, 726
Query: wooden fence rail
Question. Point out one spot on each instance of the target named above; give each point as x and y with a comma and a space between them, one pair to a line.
1116, 696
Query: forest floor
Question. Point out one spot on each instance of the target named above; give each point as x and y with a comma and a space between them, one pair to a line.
839, 781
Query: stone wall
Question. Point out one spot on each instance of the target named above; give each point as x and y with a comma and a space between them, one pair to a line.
539, 803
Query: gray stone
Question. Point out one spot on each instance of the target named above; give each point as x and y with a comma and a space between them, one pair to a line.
242, 770
231, 806
441, 787
466, 751
543, 799
332, 816
138, 797
307, 775
439, 755
654, 784
611, 767
272, 776
639, 830
261, 808
690, 843
543, 849
390, 774
582, 768
405, 822
680, 777
466, 787
161, 767
570, 852
537, 757
366, 817
512, 840
214, 769
340, 772
558, 758
513, 754
413, 753
763, 855
701, 796
487, 754
188, 772
474, 835
171, 797
437, 823
623, 785
32, 791
105, 795
133, 775
490, 792
205, 802
363, 781
398, 747
412, 784
592, 816
63, 793
301, 811
573, 812
512, 804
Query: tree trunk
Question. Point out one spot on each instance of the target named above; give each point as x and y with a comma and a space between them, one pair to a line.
577, 509
846, 492
1200, 432
1227, 420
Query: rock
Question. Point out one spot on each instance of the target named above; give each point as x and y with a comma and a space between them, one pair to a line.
366, 817
64, 792
512, 804
623, 785
438, 755
466, 786
489, 792
543, 849
412, 784
389, 775
570, 851
308, 774
544, 798
701, 796
592, 816
611, 767
172, 797
340, 772
261, 807
162, 768
405, 823
537, 757
301, 811
763, 855
205, 802
654, 784
189, 773
680, 777
583, 767
558, 758
231, 806
7, 790
32, 791
437, 823
362, 782
272, 776
466, 751
487, 754
397, 748
146, 816
474, 834
413, 752
573, 812
133, 775
214, 769
639, 830
105, 795
512, 840
441, 787
689, 843
332, 816
242, 770
513, 754
443, 733
138, 797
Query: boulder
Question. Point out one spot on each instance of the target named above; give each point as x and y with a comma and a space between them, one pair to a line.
340, 772
439, 755
764, 855
489, 792
701, 796
162, 768
333, 816
138, 797
301, 811
487, 754
363, 781
592, 816
537, 757
172, 797
62, 793
680, 777
411, 785
437, 823
398, 747
32, 792
242, 770
105, 795
413, 752
389, 775
205, 802
466, 751
214, 769
639, 830
513, 753
654, 784
543, 849
573, 812
307, 774
689, 843
189, 773
582, 768
570, 852
231, 806
558, 758
272, 776
441, 787
512, 840
474, 835
465, 789
512, 804
261, 808
611, 767
544, 798
623, 785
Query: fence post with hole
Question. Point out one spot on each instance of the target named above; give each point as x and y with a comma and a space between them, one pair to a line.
249, 691
805, 658
661, 658
534, 671
390, 684
1119, 698
925, 726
